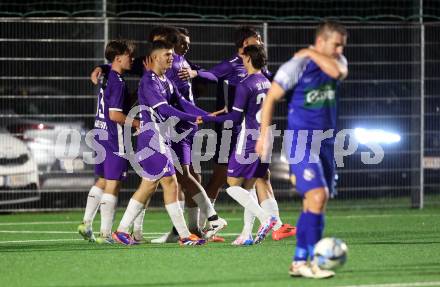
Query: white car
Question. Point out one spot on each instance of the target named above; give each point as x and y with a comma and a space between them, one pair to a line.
19, 181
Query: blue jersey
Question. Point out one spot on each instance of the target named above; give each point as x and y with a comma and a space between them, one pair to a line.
311, 93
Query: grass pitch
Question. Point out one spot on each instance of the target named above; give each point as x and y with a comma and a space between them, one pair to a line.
387, 248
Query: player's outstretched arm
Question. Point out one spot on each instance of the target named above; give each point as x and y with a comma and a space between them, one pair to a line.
234, 116
169, 111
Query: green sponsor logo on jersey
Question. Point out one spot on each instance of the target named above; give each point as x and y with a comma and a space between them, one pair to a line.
323, 96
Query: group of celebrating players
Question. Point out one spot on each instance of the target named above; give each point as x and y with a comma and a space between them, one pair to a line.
246, 97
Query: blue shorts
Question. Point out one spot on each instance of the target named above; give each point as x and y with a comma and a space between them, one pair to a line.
316, 174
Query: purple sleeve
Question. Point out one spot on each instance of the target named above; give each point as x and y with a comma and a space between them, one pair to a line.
234, 116
269, 75
221, 70
169, 111
188, 107
205, 75
241, 98
152, 94
116, 97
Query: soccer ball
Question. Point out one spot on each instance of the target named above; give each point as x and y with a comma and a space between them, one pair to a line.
330, 253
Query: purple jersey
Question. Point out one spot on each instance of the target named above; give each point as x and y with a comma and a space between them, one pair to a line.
113, 96
184, 88
250, 94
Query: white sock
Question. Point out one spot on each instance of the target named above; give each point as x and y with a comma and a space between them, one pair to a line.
182, 204
271, 207
176, 215
243, 197
249, 217
134, 208
138, 224
92, 205
202, 216
204, 204
108, 210
193, 218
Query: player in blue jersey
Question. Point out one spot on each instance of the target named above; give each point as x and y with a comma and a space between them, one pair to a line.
310, 81
229, 73
113, 106
244, 166
158, 94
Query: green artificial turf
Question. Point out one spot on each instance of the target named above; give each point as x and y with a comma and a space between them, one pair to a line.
387, 246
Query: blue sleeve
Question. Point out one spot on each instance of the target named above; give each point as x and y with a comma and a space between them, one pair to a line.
169, 111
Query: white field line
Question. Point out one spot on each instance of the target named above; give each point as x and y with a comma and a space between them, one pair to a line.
228, 219
411, 284
72, 232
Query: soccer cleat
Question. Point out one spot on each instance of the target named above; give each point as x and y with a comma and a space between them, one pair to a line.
319, 273
105, 240
214, 227
138, 237
302, 269
192, 240
216, 239
264, 229
123, 238
243, 240
168, 237
286, 230
86, 232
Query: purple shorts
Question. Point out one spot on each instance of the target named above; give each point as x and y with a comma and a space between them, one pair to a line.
255, 169
113, 167
183, 149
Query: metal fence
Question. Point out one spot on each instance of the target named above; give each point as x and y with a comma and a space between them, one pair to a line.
394, 86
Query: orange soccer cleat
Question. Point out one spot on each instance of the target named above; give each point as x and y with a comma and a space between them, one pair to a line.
216, 239
286, 230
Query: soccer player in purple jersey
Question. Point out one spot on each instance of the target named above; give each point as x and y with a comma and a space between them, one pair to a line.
181, 74
111, 114
244, 166
158, 94
311, 79
229, 73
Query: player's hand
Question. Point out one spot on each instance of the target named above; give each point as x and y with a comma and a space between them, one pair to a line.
186, 74
218, 112
259, 146
145, 63
95, 75
199, 120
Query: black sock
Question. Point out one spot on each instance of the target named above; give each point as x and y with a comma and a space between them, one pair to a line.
212, 218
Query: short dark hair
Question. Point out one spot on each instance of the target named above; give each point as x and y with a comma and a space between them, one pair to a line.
328, 27
244, 32
118, 47
157, 45
183, 31
169, 33
257, 54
